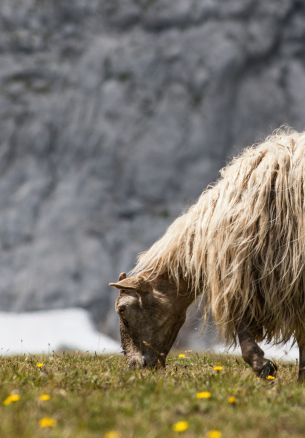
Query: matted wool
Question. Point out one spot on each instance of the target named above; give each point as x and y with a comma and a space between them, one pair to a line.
242, 245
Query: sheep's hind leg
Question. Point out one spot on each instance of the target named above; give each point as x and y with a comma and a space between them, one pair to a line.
254, 355
301, 377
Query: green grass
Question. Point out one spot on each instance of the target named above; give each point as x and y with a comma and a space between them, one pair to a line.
91, 395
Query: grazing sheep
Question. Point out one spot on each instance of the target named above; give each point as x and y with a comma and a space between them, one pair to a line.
242, 247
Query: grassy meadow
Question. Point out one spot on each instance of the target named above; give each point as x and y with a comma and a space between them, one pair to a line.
78, 395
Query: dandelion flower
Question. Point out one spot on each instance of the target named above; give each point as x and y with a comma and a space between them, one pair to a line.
12, 398
182, 356
270, 378
217, 368
40, 365
112, 434
214, 434
232, 400
180, 426
44, 397
47, 422
204, 394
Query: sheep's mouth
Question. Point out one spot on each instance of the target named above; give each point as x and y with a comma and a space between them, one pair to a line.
145, 360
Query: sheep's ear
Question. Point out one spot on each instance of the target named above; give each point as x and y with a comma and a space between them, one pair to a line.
122, 276
130, 283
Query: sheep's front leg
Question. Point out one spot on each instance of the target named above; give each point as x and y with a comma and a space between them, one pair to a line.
254, 355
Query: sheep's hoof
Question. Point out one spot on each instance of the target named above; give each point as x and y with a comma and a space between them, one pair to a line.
269, 369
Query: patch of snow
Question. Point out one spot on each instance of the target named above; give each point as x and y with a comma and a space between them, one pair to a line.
52, 330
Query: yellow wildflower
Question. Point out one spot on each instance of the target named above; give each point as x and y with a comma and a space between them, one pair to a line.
270, 378
112, 434
182, 356
214, 434
47, 422
204, 394
40, 365
44, 397
217, 368
12, 398
232, 400
180, 426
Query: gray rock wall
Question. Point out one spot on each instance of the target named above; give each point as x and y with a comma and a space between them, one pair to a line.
114, 115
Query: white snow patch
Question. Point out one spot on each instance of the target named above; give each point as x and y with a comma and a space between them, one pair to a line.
52, 330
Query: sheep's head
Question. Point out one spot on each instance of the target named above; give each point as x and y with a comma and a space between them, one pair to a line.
151, 314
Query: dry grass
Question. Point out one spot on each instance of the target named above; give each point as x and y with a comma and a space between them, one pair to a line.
90, 395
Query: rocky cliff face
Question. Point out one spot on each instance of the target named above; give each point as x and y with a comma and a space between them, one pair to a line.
114, 115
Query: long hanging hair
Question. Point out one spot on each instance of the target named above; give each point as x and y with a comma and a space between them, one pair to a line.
242, 245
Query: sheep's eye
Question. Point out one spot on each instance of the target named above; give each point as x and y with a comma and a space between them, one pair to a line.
124, 320
121, 309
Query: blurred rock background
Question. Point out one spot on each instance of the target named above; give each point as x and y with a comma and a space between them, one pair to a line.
114, 116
